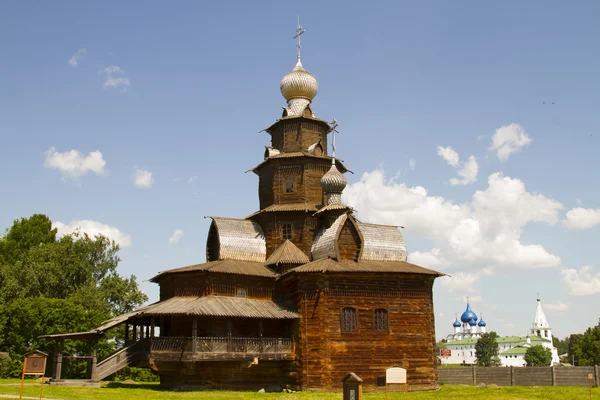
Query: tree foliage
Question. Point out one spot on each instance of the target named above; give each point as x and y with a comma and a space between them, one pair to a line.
486, 350
57, 285
538, 356
586, 347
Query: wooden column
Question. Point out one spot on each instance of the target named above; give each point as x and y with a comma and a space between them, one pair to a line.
58, 361
152, 327
260, 334
194, 336
474, 376
512, 376
597, 375
126, 333
229, 328
135, 332
163, 332
553, 375
93, 372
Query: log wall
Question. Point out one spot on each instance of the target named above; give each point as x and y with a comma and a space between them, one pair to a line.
327, 354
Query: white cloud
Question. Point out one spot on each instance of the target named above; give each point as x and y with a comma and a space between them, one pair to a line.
143, 178
462, 282
582, 282
79, 54
176, 236
449, 154
72, 164
468, 173
556, 307
484, 232
582, 218
192, 179
469, 170
93, 228
509, 139
429, 259
115, 77
412, 164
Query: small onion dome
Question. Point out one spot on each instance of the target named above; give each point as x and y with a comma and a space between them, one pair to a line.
472, 322
299, 84
468, 315
333, 181
481, 322
456, 324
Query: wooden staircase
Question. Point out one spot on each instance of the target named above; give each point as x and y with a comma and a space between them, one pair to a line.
129, 355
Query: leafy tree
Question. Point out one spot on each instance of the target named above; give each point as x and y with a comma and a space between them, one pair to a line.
50, 285
574, 340
587, 348
486, 350
562, 346
538, 356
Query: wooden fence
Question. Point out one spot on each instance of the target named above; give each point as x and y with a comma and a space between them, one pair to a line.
520, 376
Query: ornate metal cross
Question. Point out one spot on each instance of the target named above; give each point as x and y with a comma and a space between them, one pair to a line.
299, 31
334, 124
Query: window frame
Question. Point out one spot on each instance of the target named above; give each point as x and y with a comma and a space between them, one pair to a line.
354, 322
387, 320
286, 181
287, 231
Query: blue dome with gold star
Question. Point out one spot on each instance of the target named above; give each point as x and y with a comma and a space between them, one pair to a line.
468, 315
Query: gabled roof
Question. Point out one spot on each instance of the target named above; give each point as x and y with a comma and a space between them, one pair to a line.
382, 242
329, 265
302, 207
238, 239
249, 268
290, 117
220, 306
287, 253
517, 350
332, 207
325, 242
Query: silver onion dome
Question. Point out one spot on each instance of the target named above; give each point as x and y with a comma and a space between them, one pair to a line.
299, 83
333, 184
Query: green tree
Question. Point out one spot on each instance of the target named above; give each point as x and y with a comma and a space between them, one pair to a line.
50, 285
587, 348
538, 356
562, 346
574, 340
486, 350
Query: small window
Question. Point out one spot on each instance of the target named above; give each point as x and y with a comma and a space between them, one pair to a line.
241, 292
381, 320
381, 380
286, 231
290, 186
349, 320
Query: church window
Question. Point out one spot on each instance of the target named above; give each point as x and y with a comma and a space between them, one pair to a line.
381, 320
286, 231
290, 186
349, 319
241, 292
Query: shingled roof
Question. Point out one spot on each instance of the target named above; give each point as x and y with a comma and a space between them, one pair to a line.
287, 253
249, 268
235, 239
329, 265
382, 242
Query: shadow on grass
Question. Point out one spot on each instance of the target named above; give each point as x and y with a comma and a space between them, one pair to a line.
142, 385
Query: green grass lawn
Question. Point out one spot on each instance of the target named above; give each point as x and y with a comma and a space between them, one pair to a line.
116, 391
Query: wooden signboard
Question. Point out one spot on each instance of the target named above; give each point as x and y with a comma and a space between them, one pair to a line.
445, 353
395, 375
34, 364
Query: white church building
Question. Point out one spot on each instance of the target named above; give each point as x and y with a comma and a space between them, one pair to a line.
511, 349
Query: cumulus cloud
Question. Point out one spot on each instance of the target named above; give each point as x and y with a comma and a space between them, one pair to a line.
484, 232
462, 282
467, 172
449, 154
556, 307
115, 77
582, 282
93, 228
142, 178
509, 139
72, 164
79, 54
176, 236
582, 218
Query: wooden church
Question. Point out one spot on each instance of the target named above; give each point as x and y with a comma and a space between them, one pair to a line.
296, 295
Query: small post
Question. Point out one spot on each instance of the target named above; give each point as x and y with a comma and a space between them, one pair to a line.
194, 335
126, 333
162, 326
152, 325
553, 376
135, 332
474, 376
260, 334
229, 328
93, 374
597, 375
512, 376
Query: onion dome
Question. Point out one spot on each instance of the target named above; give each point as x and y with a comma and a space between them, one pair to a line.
472, 322
456, 324
468, 315
481, 322
298, 88
333, 184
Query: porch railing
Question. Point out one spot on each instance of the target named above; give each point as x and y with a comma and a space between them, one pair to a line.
221, 344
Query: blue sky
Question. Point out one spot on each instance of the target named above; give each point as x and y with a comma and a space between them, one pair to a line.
181, 90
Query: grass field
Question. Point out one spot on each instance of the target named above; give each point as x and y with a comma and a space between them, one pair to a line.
116, 391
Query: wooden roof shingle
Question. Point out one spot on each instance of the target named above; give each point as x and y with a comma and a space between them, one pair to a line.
249, 268
239, 239
287, 253
381, 242
329, 265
